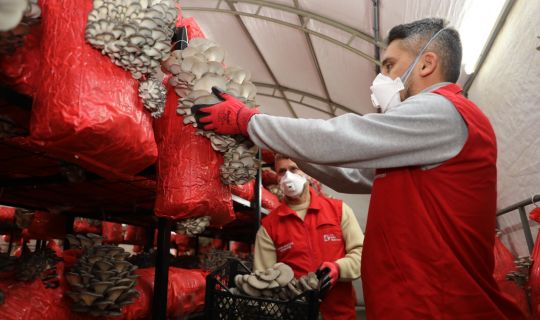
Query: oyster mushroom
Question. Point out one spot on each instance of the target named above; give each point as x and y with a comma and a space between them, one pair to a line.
101, 286
257, 283
100, 277
153, 93
286, 274
89, 297
270, 275
115, 292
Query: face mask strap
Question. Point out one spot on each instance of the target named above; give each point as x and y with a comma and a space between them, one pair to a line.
408, 72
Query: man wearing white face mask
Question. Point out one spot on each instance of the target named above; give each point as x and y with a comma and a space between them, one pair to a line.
312, 233
429, 161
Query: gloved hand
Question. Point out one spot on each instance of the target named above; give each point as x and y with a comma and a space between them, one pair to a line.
230, 116
328, 274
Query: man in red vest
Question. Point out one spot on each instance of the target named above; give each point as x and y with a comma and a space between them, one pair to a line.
429, 161
310, 232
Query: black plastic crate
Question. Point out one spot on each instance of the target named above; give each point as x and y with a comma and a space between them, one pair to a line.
221, 304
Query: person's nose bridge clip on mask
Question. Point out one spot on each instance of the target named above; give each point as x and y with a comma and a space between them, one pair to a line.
385, 91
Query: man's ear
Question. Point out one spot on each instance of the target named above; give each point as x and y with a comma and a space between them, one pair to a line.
428, 64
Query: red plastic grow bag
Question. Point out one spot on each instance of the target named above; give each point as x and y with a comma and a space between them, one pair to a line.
185, 293
135, 235
188, 182
504, 263
534, 279
86, 109
45, 226
7, 214
112, 232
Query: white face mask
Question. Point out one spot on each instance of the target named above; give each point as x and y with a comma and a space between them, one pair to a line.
292, 184
385, 91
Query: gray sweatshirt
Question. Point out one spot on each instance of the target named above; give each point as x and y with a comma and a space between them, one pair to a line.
342, 152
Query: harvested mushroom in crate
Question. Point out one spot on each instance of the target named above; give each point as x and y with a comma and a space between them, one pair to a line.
277, 283
102, 280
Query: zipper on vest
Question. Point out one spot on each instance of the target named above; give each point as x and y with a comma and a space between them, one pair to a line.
310, 246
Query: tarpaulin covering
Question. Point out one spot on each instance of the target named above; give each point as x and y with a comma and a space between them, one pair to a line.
45, 226
87, 110
20, 70
112, 232
189, 183
185, 293
534, 279
504, 263
135, 235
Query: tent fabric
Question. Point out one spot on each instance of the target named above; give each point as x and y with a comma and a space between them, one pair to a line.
344, 77
506, 89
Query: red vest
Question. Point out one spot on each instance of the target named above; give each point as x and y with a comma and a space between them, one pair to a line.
428, 251
304, 245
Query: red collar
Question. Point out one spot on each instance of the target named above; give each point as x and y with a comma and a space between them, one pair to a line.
453, 88
314, 204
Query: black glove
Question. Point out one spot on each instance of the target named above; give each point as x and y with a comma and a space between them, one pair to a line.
195, 110
325, 282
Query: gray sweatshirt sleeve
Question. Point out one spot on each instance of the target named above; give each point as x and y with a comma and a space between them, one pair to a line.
425, 129
344, 180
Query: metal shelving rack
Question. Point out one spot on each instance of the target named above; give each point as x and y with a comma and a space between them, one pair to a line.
134, 206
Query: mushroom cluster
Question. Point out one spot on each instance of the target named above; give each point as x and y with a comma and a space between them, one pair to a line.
136, 35
193, 226
42, 264
153, 95
277, 283
195, 70
102, 280
14, 25
521, 275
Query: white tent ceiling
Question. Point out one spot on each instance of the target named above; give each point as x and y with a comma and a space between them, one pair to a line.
313, 58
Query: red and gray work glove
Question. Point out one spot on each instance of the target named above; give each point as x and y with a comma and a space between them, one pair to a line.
230, 116
328, 275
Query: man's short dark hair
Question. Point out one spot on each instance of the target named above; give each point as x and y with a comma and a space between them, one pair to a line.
447, 45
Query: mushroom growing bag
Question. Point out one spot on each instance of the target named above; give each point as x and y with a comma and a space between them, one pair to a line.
504, 263
534, 279
188, 182
86, 109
